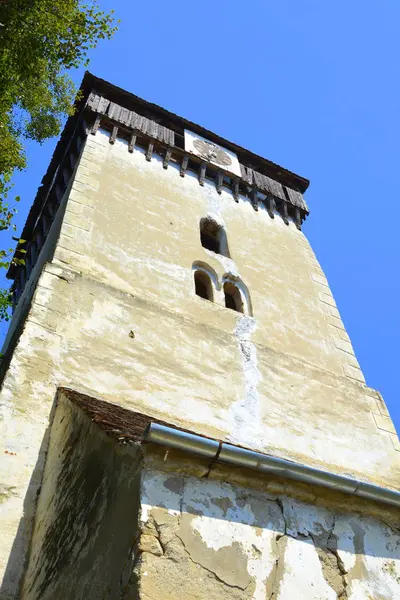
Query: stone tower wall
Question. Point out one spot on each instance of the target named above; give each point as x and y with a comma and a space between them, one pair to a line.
114, 314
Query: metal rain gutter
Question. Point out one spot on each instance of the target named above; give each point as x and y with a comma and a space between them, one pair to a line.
227, 453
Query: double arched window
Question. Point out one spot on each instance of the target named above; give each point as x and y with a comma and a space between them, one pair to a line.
229, 292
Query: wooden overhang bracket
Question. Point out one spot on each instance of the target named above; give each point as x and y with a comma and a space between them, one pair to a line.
167, 158
297, 214
149, 151
271, 206
285, 212
114, 134
254, 198
184, 164
235, 190
95, 125
202, 173
132, 142
219, 181
59, 193
52, 207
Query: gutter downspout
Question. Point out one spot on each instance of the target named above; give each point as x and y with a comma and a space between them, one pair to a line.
227, 453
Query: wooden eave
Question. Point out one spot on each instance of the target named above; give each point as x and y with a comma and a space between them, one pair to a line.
120, 96
252, 165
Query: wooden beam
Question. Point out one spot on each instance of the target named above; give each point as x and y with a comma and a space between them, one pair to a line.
284, 212
45, 223
219, 181
297, 215
66, 175
254, 198
149, 151
78, 142
235, 190
95, 125
39, 239
51, 207
202, 173
113, 135
59, 192
184, 164
167, 158
132, 143
271, 206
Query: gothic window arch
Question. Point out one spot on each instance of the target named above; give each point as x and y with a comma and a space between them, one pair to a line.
205, 280
236, 295
233, 299
203, 285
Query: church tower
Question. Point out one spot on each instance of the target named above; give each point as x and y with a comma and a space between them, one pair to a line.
183, 413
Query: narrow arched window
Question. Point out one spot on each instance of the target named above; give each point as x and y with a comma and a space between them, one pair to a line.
203, 285
213, 236
233, 298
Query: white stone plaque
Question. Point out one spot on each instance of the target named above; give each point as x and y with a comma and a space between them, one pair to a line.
210, 152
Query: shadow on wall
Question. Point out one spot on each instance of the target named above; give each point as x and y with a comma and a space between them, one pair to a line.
10, 588
85, 528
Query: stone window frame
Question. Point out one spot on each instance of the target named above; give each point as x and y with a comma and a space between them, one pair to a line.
212, 279
243, 300
217, 288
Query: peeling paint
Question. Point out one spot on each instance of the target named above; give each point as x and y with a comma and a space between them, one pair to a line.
292, 549
246, 412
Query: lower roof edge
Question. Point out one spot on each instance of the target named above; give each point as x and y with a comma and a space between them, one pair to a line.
242, 457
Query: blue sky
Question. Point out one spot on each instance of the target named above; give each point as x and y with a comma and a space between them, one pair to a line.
312, 85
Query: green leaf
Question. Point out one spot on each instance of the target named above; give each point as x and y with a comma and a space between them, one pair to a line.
41, 40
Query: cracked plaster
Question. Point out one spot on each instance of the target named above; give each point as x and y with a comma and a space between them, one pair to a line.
286, 548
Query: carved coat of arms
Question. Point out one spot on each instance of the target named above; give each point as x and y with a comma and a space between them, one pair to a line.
212, 153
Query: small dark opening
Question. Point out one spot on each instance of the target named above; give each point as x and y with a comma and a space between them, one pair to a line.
210, 242
233, 299
229, 301
213, 237
201, 289
203, 285
179, 140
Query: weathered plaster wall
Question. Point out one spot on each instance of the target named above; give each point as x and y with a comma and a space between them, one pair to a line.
128, 521
45, 256
142, 236
86, 523
211, 539
115, 314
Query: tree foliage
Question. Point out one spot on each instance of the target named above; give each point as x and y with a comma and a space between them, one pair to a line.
40, 40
